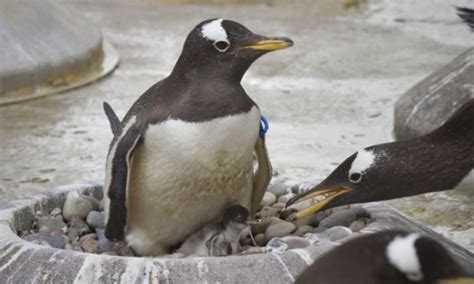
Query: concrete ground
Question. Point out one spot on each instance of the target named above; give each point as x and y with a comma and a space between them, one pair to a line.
326, 97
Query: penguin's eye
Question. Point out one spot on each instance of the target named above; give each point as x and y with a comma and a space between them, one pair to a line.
221, 45
355, 177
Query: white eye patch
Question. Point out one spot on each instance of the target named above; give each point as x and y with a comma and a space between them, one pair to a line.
214, 31
401, 253
363, 161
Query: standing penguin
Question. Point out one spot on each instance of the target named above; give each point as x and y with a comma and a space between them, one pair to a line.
389, 257
184, 151
440, 160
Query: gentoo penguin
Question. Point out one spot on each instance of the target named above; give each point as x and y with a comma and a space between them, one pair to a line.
440, 160
184, 150
389, 257
218, 239
467, 15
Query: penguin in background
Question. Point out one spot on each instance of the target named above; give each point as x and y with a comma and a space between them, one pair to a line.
184, 151
438, 161
388, 257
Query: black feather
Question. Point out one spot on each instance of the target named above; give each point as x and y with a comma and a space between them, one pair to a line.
113, 119
467, 15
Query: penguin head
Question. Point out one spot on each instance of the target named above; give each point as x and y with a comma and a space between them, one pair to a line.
386, 257
221, 48
235, 214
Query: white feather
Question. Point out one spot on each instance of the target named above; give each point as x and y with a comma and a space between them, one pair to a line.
401, 253
214, 31
364, 160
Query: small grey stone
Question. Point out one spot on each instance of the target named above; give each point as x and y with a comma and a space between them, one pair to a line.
279, 206
56, 211
50, 224
343, 218
302, 230
318, 217
77, 229
95, 202
268, 199
260, 240
55, 241
278, 189
276, 245
253, 250
294, 242
338, 209
337, 233
279, 230
89, 243
357, 225
95, 219
312, 238
261, 226
284, 198
268, 212
76, 206
284, 214
95, 192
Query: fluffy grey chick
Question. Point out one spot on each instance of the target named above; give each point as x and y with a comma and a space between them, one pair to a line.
218, 239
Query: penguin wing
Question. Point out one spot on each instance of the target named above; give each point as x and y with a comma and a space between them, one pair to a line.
119, 167
263, 174
113, 119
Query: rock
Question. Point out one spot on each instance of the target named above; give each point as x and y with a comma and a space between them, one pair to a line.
318, 217
279, 206
268, 199
428, 104
77, 229
50, 224
69, 247
284, 198
279, 230
76, 246
55, 241
276, 245
343, 218
94, 202
76, 206
337, 233
284, 214
357, 225
302, 230
96, 219
89, 243
56, 211
260, 240
295, 242
253, 250
278, 189
339, 209
268, 212
312, 238
122, 249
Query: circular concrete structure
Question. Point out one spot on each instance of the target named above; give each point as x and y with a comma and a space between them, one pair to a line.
25, 262
47, 49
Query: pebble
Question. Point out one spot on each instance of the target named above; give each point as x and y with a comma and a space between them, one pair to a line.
268, 199
279, 230
268, 212
357, 225
278, 189
94, 202
284, 198
276, 245
50, 224
56, 211
294, 242
89, 243
253, 250
76, 206
55, 241
343, 218
302, 230
96, 219
77, 229
284, 214
260, 240
337, 233
279, 206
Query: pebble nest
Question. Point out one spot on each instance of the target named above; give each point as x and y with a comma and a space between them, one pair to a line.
79, 226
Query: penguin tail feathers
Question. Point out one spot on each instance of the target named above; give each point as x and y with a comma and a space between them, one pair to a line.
467, 15
114, 121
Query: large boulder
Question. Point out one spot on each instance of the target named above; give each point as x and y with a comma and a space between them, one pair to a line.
428, 104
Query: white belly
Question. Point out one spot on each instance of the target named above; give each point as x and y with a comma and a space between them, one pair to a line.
185, 174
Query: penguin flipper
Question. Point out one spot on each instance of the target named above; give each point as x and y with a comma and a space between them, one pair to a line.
116, 188
113, 119
467, 15
263, 174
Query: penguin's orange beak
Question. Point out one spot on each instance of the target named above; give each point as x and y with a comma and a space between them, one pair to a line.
271, 44
315, 200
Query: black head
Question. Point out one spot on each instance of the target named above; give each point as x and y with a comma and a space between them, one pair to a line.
235, 213
225, 49
385, 257
435, 162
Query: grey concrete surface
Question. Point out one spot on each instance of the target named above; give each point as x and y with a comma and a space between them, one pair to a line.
49, 265
326, 97
433, 100
46, 48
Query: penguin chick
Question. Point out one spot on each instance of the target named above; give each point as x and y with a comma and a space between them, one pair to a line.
389, 257
218, 239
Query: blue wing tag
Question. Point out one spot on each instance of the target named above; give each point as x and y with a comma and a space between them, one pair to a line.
263, 126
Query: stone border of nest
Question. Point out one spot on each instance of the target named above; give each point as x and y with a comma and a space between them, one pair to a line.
22, 261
